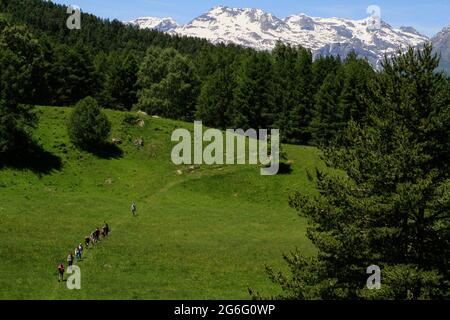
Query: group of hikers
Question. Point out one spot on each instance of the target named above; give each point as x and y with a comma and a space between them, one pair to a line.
93, 238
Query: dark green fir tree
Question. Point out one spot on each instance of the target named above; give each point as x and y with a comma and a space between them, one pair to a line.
388, 204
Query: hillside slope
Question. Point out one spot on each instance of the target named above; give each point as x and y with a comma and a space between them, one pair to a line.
205, 233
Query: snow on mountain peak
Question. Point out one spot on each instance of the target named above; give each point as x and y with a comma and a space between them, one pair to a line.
260, 30
160, 24
410, 30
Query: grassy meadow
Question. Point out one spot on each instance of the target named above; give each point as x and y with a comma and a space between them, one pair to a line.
206, 233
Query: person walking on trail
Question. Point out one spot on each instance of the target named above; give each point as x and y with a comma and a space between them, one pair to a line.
61, 272
106, 228
93, 240
77, 254
80, 248
69, 260
97, 234
87, 239
94, 237
133, 208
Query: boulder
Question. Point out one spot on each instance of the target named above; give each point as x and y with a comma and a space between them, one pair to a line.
116, 141
139, 142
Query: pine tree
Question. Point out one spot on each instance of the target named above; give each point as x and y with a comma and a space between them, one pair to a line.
75, 73
286, 95
216, 99
328, 118
121, 82
88, 126
293, 92
254, 102
341, 98
169, 84
390, 205
300, 115
322, 67
20, 55
45, 83
357, 74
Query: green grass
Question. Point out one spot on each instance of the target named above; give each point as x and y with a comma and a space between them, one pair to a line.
205, 234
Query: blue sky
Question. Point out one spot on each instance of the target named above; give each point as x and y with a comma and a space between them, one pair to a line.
428, 17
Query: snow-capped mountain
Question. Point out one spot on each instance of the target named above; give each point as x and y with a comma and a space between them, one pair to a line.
160, 24
261, 30
441, 44
410, 30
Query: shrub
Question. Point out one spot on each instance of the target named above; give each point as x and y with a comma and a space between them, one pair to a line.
88, 126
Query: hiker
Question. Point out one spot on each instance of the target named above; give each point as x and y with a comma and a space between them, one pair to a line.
61, 272
69, 260
133, 208
97, 234
106, 228
87, 239
77, 253
93, 238
80, 248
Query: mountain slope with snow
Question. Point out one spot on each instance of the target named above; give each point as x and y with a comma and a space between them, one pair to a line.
441, 44
160, 24
261, 30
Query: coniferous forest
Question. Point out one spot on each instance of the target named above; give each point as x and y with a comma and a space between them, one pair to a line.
388, 130
182, 78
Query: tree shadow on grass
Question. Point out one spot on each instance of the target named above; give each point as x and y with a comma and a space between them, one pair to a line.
106, 151
31, 156
285, 168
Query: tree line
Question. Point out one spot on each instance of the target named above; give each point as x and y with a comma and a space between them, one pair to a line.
226, 86
389, 210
